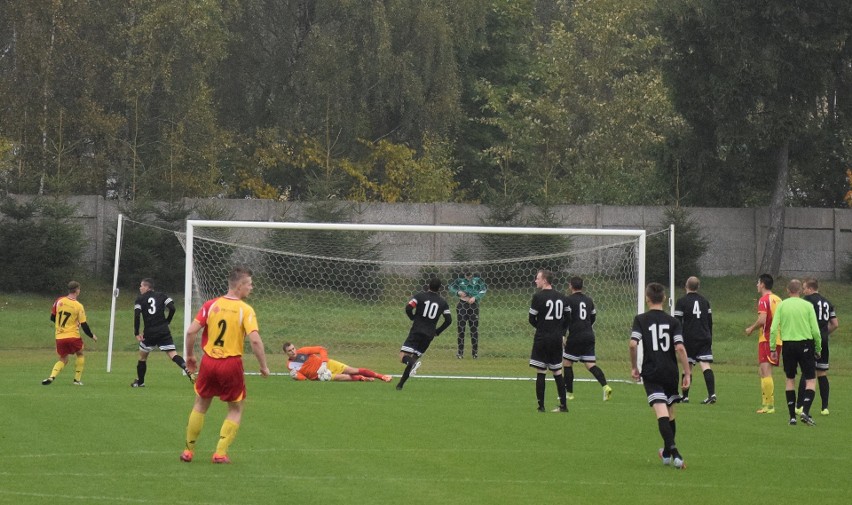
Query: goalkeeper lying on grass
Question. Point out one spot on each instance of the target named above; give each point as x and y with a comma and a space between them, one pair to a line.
312, 363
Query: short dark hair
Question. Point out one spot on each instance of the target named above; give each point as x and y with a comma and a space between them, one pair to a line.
655, 292
148, 282
812, 283
73, 286
576, 283
434, 284
286, 345
766, 280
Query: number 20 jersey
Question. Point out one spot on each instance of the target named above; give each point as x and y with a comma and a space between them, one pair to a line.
658, 333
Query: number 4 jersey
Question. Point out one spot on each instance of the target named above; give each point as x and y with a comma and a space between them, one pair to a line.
658, 333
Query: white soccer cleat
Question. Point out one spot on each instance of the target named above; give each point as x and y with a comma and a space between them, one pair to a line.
414, 368
667, 460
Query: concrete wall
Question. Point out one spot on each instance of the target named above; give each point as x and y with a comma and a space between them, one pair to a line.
817, 242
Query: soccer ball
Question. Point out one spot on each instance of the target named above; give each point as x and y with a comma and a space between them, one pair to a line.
324, 375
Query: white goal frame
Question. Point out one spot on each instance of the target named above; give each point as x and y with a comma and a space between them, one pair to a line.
192, 224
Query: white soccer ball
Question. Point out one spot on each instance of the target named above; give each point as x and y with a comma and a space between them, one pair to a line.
324, 375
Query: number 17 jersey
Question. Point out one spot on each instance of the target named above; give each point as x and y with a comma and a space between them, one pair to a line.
658, 333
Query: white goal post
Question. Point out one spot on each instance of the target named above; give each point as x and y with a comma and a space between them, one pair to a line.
344, 285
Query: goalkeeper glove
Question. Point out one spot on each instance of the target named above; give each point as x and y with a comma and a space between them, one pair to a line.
322, 369
293, 373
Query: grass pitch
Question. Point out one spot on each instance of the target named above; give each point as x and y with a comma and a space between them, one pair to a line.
437, 441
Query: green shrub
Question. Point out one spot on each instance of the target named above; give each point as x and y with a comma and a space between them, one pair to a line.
690, 246
40, 246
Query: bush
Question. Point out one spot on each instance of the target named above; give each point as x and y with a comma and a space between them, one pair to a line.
40, 246
690, 246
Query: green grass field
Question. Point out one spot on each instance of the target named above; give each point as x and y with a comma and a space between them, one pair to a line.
438, 441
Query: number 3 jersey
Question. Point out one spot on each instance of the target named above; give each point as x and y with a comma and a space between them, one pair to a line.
658, 333
226, 323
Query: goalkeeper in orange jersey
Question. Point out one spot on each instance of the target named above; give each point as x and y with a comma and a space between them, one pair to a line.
307, 363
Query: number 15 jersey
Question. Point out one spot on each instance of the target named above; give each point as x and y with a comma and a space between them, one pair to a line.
658, 333
226, 323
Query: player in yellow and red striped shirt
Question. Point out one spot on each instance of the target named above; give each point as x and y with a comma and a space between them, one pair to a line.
69, 317
226, 322
765, 310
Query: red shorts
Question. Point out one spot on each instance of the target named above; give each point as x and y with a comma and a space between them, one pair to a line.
66, 346
222, 377
764, 354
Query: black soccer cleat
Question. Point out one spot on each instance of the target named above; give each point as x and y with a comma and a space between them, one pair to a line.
709, 400
808, 420
685, 399
137, 384
47, 382
561, 408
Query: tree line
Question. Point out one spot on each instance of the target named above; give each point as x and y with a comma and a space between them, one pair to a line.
690, 102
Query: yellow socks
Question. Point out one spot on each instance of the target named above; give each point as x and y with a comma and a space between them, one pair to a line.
79, 365
226, 437
193, 428
767, 389
57, 368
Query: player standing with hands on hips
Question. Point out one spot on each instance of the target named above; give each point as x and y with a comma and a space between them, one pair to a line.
423, 310
226, 321
547, 316
662, 349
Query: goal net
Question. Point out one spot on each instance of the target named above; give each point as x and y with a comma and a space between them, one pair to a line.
345, 286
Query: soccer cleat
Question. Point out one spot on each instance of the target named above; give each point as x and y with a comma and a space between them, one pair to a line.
186, 456
221, 459
766, 409
807, 419
137, 384
386, 378
679, 463
685, 399
709, 400
190, 376
607, 393
823, 412
399, 387
414, 369
667, 460
541, 408
792, 421
799, 410
569, 396
47, 382
475, 355
459, 356
561, 408
77, 383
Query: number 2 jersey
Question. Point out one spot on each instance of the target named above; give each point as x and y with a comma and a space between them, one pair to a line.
226, 323
658, 333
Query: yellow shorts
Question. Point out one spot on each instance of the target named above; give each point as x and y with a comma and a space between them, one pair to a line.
336, 367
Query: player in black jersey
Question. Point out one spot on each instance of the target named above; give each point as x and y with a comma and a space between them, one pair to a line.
693, 312
424, 310
580, 341
547, 315
156, 310
661, 339
827, 321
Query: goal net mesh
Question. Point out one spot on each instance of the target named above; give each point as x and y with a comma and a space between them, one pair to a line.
346, 289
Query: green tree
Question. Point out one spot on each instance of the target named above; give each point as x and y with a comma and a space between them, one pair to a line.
753, 79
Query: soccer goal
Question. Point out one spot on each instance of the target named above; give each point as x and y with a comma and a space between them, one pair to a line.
345, 286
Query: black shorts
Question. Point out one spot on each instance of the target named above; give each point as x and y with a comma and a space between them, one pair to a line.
583, 351
822, 362
799, 354
699, 351
416, 343
546, 354
667, 392
162, 341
